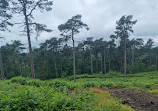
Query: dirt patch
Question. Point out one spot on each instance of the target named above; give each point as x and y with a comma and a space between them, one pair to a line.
138, 100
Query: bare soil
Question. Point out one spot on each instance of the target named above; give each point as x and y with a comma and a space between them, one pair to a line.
138, 100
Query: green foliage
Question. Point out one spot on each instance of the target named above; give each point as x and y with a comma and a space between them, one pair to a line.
14, 96
140, 67
35, 82
20, 99
25, 94
108, 75
16, 63
19, 79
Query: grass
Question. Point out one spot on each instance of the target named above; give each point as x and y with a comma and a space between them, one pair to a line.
105, 102
153, 91
26, 94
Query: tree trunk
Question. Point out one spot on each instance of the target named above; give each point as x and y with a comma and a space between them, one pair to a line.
29, 41
91, 62
43, 68
1, 63
74, 67
132, 56
101, 64
109, 59
109, 63
150, 61
121, 65
104, 61
21, 70
61, 65
125, 59
82, 63
19, 66
132, 60
96, 61
156, 62
55, 65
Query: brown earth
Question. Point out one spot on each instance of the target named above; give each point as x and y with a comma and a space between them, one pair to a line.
138, 100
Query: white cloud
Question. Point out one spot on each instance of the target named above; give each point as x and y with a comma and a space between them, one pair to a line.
100, 15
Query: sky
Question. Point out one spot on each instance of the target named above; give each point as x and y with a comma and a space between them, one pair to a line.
99, 15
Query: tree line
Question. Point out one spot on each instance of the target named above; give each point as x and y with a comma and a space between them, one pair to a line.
56, 58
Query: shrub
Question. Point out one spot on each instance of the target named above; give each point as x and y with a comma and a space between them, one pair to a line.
109, 85
89, 84
21, 100
35, 82
30, 98
19, 79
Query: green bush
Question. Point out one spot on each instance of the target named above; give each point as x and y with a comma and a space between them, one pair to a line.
89, 84
20, 80
35, 82
31, 98
20, 100
25, 94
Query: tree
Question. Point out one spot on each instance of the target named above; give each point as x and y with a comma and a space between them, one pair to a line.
1, 63
105, 47
135, 43
111, 46
148, 47
89, 44
53, 45
69, 29
26, 9
123, 29
149, 44
11, 54
99, 49
4, 17
17, 47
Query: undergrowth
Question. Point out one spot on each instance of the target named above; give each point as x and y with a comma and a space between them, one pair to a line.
26, 94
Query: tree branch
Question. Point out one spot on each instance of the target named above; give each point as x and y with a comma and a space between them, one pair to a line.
34, 8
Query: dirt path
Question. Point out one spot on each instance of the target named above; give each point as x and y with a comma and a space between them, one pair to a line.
138, 100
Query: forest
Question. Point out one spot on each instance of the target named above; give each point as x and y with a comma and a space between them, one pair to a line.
65, 74
54, 57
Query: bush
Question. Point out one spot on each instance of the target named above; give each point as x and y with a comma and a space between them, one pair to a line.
30, 98
89, 84
35, 82
109, 85
20, 100
20, 80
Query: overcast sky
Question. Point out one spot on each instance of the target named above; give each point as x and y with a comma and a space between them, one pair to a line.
99, 15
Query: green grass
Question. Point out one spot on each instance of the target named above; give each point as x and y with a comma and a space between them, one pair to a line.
25, 94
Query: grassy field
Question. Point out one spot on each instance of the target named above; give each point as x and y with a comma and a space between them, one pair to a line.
25, 94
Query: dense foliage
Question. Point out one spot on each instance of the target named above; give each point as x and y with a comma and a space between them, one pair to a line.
54, 57
63, 94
